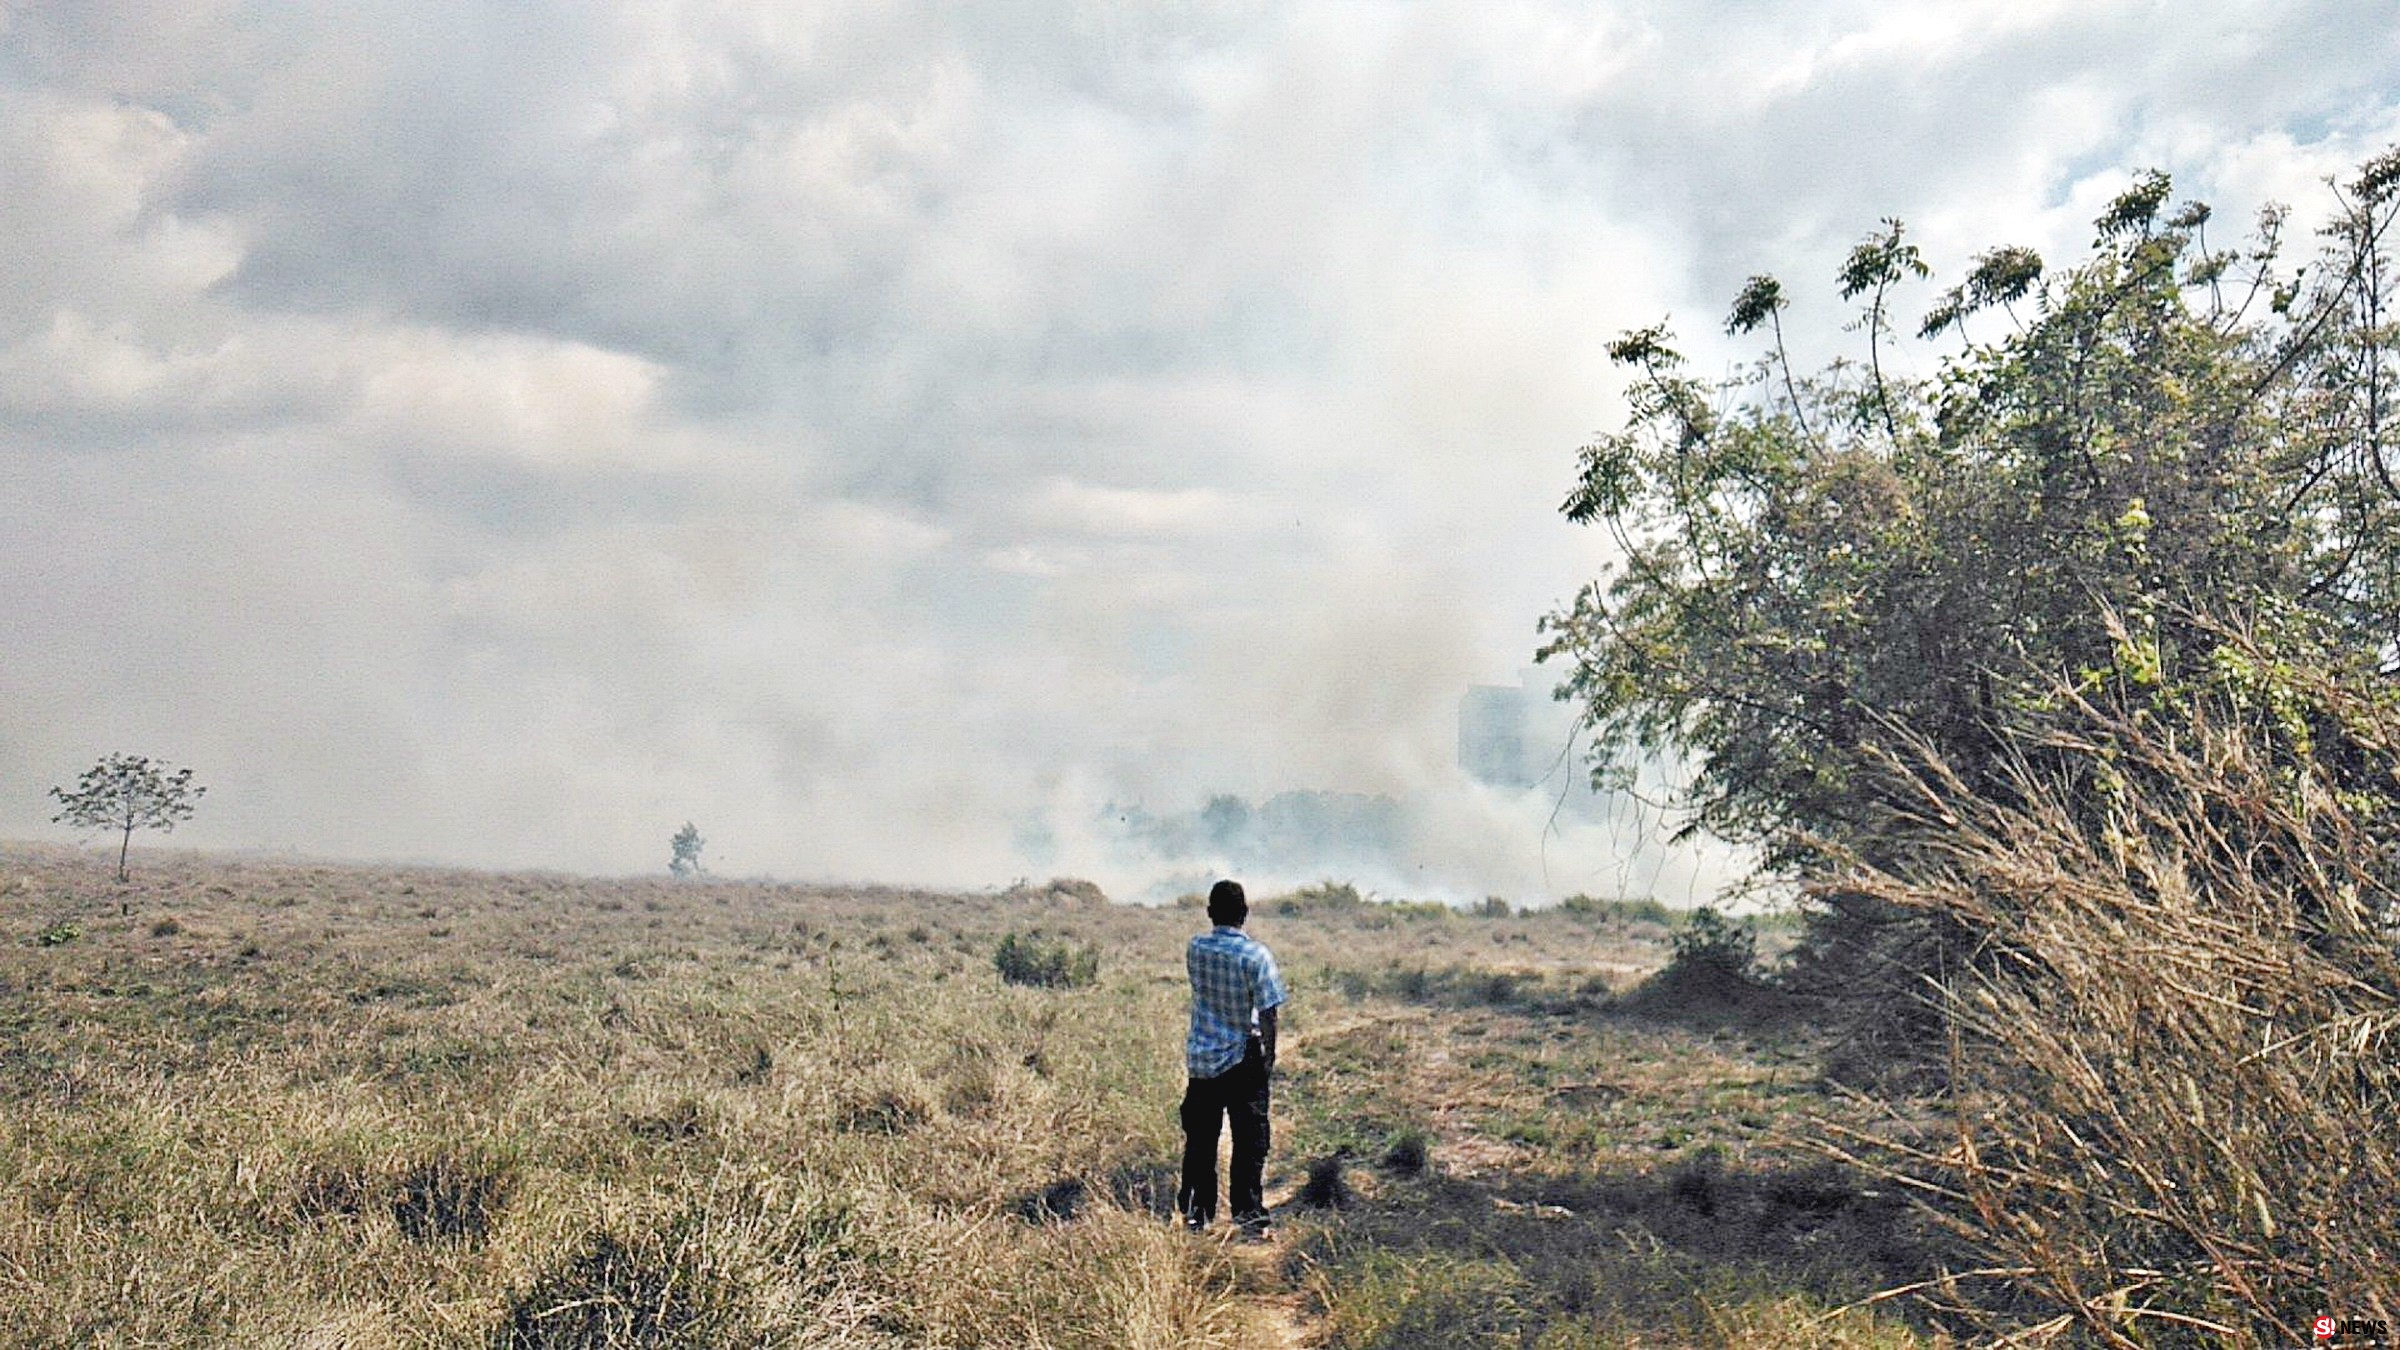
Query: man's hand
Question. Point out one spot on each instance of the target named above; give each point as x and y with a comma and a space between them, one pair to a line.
1266, 1036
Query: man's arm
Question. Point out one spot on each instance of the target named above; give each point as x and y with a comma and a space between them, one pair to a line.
1266, 1035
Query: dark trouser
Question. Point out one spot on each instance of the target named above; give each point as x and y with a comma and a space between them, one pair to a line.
1240, 1093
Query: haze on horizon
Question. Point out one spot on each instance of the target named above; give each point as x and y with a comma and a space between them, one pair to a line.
496, 434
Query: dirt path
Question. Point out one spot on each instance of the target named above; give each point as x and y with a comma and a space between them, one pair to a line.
1283, 1321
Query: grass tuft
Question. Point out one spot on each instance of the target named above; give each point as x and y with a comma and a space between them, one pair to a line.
648, 1288
1326, 1187
679, 1121
451, 1197
1059, 1202
1409, 1153
889, 1103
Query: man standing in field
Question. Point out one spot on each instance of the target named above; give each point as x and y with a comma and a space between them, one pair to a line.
1230, 1053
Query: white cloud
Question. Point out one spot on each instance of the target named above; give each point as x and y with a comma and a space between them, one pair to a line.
1137, 513
558, 405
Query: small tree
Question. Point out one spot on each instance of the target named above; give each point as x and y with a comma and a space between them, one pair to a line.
686, 843
127, 793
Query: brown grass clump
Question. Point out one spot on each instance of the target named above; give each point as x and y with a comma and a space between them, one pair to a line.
2173, 1060
437, 1195
451, 1198
1058, 892
754, 1267
887, 1101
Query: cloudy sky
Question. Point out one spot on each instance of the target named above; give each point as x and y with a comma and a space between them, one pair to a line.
498, 432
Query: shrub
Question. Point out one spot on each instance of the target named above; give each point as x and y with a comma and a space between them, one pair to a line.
2172, 1067
1814, 563
1493, 907
1713, 950
686, 846
1046, 963
58, 935
1616, 910
1711, 974
1325, 897
1077, 891
1061, 892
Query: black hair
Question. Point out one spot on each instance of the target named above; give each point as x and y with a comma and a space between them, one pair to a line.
1227, 905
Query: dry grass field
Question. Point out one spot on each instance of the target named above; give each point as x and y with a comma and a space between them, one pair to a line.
274, 1103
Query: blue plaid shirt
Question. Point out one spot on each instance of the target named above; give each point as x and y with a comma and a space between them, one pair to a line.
1233, 978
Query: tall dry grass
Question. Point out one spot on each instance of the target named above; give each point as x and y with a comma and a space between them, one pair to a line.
2173, 1083
288, 1104
335, 1107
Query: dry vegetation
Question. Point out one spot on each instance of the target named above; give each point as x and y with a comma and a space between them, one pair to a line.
257, 1102
2172, 1074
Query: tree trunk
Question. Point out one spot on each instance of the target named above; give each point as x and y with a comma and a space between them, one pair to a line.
122, 874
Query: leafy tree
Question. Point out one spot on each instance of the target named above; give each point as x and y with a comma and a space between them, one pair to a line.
687, 844
1814, 566
128, 793
2063, 676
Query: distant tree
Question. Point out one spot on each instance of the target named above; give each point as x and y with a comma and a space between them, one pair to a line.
1225, 822
127, 793
686, 843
